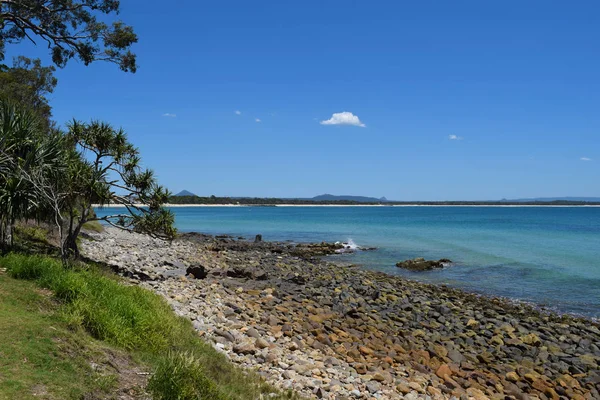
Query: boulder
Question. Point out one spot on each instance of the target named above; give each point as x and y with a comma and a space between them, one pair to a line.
197, 271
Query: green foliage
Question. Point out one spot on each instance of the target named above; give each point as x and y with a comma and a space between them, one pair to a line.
27, 82
180, 376
27, 154
70, 29
139, 320
109, 162
93, 226
31, 233
57, 177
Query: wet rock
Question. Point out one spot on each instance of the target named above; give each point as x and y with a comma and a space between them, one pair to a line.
420, 264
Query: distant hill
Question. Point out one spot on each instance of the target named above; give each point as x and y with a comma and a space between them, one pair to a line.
359, 199
548, 199
184, 193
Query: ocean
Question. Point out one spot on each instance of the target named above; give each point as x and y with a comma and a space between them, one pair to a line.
549, 256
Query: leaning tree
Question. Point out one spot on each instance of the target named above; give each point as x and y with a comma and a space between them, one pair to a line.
105, 170
70, 29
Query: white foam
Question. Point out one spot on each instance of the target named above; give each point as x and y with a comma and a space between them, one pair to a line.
350, 244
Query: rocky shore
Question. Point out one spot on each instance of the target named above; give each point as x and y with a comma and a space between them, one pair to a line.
338, 332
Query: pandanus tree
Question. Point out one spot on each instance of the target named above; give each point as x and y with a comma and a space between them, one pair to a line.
58, 178
106, 171
26, 151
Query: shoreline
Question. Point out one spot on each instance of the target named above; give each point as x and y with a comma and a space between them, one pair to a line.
354, 205
325, 329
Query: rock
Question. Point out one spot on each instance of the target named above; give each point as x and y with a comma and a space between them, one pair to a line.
373, 387
175, 264
261, 343
197, 271
420, 264
455, 356
402, 388
228, 336
244, 349
247, 273
289, 374
531, 339
512, 376
253, 333
258, 239
444, 371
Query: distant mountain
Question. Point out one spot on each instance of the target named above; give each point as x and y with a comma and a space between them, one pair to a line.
360, 199
546, 199
184, 193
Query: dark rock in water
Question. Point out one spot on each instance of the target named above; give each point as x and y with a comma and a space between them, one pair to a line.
420, 264
308, 250
258, 239
198, 271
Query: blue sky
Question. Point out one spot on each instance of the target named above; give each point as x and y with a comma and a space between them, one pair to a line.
461, 100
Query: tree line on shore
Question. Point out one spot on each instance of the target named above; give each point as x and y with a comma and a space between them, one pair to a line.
54, 174
269, 201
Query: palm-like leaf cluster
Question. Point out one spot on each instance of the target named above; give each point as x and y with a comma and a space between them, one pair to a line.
59, 177
26, 152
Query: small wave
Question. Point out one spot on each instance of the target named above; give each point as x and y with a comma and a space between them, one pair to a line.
349, 246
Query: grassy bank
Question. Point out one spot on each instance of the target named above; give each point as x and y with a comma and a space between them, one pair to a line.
88, 308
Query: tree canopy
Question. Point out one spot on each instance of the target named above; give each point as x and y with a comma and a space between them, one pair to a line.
28, 82
58, 177
70, 29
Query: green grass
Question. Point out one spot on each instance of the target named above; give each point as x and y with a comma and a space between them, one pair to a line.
40, 357
93, 226
140, 321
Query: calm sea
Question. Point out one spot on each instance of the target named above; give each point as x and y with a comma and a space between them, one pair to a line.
546, 255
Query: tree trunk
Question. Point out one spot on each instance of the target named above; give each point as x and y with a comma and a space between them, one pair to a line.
69, 246
6, 236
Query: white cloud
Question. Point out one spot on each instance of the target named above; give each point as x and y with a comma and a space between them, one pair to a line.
238, 112
169, 115
344, 118
454, 137
258, 120
585, 159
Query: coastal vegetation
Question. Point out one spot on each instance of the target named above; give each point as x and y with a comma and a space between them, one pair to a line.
268, 201
54, 175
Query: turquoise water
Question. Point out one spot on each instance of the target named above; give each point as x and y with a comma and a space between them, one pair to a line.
546, 255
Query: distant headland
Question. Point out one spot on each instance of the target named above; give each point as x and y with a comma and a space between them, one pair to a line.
186, 197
